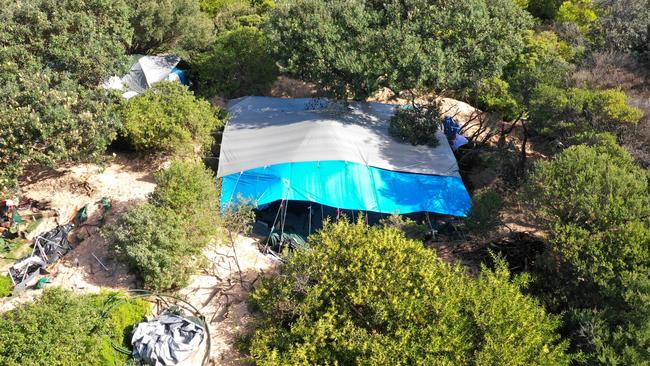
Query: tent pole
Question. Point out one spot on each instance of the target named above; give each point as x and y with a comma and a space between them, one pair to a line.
309, 225
283, 221
266, 246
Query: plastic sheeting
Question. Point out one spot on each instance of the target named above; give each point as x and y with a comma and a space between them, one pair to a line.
349, 186
166, 340
265, 131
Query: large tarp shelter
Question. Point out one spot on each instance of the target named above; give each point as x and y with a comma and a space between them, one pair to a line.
335, 154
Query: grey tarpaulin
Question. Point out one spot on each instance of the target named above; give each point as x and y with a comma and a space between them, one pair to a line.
166, 340
265, 131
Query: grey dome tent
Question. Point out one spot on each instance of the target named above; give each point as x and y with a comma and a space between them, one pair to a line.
146, 71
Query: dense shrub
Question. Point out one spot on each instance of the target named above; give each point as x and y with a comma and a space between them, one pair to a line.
367, 295
176, 26
544, 60
565, 112
82, 38
579, 12
624, 26
6, 286
417, 125
544, 9
163, 240
353, 48
485, 215
493, 95
606, 188
189, 188
51, 109
62, 328
410, 228
596, 205
239, 63
169, 118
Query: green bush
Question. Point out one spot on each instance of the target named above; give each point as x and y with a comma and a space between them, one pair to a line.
121, 321
596, 205
169, 118
367, 295
590, 187
564, 113
163, 240
493, 95
410, 228
6, 286
416, 125
544, 60
62, 328
544, 9
169, 26
485, 215
353, 47
239, 63
214, 7
53, 55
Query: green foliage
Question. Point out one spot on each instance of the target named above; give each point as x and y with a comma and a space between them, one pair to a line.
606, 188
596, 205
52, 109
493, 95
168, 117
6, 286
163, 240
214, 7
121, 321
485, 215
580, 12
566, 112
355, 47
367, 295
62, 328
169, 26
417, 124
544, 9
624, 26
239, 63
544, 60
411, 229
83, 38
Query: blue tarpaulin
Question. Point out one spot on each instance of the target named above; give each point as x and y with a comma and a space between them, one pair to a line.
336, 154
349, 186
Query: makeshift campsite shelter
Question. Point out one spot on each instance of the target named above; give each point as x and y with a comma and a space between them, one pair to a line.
146, 71
335, 154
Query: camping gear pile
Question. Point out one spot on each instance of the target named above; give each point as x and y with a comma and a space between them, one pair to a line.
451, 128
49, 247
168, 339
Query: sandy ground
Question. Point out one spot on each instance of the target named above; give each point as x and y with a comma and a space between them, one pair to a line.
219, 291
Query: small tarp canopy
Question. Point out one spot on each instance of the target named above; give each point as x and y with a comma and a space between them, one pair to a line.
335, 154
146, 71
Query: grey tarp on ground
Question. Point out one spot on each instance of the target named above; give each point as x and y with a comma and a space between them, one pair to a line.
266, 131
166, 340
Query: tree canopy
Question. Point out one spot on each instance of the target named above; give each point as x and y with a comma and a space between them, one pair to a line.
51, 107
355, 47
369, 296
